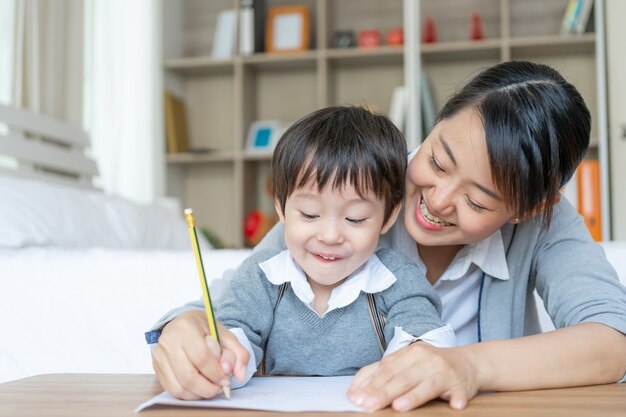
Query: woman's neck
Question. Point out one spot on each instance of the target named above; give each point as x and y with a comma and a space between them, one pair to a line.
437, 259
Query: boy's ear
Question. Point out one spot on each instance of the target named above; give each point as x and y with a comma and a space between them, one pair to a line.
392, 219
279, 211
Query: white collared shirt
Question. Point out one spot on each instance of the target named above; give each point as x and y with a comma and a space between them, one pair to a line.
459, 286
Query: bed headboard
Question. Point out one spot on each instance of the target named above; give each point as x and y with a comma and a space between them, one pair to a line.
41, 147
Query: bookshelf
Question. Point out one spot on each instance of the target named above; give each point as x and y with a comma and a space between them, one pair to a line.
223, 97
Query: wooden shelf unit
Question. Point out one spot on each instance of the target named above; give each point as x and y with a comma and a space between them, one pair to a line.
224, 97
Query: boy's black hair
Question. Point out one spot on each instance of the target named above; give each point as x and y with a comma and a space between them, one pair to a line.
345, 145
537, 130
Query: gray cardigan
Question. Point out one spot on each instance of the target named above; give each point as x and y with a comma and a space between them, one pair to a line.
567, 268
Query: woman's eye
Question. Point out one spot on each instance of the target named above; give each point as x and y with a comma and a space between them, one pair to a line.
435, 164
309, 216
355, 221
475, 206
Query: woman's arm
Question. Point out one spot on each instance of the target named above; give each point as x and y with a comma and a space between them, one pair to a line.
583, 354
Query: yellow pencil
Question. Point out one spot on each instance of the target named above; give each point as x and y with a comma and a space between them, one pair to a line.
210, 316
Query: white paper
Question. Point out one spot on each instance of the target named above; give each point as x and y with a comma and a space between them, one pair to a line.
292, 394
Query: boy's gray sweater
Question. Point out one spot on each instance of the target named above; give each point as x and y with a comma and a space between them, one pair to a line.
299, 342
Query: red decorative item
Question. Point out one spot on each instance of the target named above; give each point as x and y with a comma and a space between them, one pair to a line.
369, 38
395, 36
476, 29
429, 34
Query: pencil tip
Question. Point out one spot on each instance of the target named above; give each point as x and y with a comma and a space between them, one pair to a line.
226, 389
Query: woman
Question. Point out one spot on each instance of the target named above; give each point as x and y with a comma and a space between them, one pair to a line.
483, 216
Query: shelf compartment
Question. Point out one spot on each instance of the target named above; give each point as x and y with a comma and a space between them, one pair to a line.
462, 50
553, 45
199, 158
199, 65
366, 56
305, 59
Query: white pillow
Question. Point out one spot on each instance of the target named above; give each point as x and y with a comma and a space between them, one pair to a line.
35, 213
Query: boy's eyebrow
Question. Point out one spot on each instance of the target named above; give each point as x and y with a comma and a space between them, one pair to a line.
484, 189
316, 196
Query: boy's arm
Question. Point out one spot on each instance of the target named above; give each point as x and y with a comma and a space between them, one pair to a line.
413, 311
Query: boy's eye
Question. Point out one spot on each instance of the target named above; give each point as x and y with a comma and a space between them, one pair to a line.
433, 162
355, 221
309, 216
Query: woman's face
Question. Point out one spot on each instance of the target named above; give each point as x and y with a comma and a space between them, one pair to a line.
450, 196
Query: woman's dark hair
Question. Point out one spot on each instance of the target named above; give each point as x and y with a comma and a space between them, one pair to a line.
345, 145
537, 128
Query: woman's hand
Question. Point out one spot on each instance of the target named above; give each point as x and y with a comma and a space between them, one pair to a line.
412, 376
190, 365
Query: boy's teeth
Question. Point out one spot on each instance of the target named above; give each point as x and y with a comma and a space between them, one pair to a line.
431, 219
328, 258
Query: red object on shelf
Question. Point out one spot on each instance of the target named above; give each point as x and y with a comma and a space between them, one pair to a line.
395, 36
429, 35
369, 38
476, 29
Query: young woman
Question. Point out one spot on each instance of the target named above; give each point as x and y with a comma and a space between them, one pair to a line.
483, 216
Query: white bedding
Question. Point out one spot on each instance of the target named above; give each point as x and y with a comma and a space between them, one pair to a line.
85, 310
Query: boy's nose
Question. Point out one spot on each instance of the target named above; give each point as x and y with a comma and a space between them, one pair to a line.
330, 233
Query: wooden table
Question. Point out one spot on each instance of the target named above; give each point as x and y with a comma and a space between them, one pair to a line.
118, 395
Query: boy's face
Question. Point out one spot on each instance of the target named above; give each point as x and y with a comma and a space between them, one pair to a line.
331, 233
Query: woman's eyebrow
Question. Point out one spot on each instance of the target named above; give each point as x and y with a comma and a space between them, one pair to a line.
446, 148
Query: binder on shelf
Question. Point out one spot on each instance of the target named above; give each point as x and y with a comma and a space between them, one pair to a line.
589, 205
175, 124
429, 108
225, 35
246, 27
259, 25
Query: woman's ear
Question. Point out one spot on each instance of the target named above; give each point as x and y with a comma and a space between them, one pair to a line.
392, 219
536, 212
279, 211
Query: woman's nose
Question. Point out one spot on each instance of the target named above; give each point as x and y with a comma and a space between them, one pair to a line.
440, 201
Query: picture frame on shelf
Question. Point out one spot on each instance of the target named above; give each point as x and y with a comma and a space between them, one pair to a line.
263, 135
288, 29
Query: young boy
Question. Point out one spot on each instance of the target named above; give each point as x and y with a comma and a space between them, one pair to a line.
317, 307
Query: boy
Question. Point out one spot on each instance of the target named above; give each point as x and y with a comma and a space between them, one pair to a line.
315, 308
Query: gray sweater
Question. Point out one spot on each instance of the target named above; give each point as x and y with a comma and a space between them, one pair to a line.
299, 342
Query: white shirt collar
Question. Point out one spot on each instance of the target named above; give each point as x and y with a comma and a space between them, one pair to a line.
372, 277
488, 255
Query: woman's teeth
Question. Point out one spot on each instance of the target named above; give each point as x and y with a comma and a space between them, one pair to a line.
430, 218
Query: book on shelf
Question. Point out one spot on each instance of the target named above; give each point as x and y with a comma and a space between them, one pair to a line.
246, 27
584, 16
398, 107
576, 17
225, 35
175, 124
589, 203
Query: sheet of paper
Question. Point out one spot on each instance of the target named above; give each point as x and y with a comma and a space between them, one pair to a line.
292, 394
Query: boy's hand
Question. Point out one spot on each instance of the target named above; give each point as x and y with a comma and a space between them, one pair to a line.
188, 363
